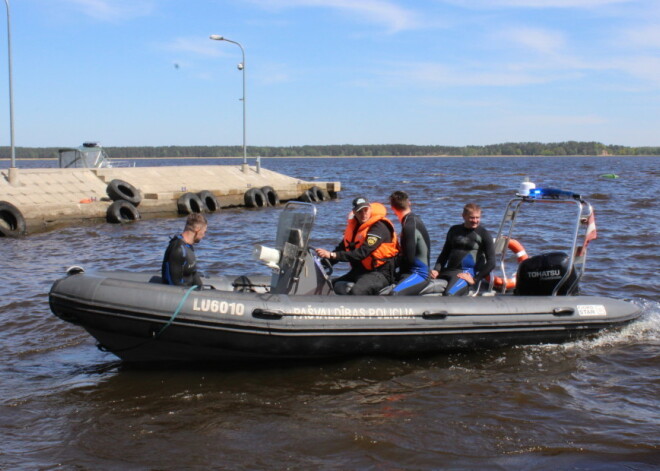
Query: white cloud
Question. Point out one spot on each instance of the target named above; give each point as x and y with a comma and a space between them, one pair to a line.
539, 40
201, 46
113, 10
645, 37
393, 16
537, 3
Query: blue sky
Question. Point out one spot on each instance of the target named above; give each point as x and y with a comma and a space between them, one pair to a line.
445, 72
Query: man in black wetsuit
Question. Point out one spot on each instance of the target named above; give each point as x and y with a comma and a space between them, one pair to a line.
179, 263
468, 254
414, 247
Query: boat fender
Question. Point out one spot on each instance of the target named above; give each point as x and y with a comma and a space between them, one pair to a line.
189, 203
521, 255
255, 198
12, 222
308, 196
272, 198
121, 211
319, 194
210, 201
121, 190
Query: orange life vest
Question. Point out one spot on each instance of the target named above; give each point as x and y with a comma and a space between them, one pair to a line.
355, 237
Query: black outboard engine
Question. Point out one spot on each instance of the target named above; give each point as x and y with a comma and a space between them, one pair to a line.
539, 275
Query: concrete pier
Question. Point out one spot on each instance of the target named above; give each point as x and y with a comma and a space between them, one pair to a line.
47, 198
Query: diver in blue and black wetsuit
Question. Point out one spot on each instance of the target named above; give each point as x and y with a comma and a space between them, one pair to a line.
414, 256
179, 262
468, 254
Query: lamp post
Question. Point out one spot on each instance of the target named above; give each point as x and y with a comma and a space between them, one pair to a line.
13, 171
241, 67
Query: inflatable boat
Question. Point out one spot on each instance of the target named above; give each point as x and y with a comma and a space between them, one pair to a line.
294, 314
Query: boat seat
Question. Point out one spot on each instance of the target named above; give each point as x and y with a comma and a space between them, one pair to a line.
435, 287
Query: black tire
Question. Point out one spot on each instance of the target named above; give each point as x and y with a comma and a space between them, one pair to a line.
255, 198
307, 196
189, 203
121, 190
12, 222
319, 194
210, 201
272, 198
122, 212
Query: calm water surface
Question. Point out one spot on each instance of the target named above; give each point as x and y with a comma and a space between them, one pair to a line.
591, 404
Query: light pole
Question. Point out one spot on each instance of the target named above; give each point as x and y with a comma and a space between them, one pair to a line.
241, 67
13, 171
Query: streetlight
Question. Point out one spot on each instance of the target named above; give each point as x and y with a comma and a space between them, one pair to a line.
13, 171
241, 67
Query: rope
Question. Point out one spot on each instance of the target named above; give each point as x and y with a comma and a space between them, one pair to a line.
103, 348
176, 312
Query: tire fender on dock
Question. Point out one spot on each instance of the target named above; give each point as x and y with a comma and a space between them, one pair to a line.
121, 190
209, 200
255, 198
272, 198
12, 222
189, 203
121, 212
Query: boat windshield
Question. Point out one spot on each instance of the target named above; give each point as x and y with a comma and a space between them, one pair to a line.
293, 232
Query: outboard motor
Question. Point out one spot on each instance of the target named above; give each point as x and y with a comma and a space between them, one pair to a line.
539, 275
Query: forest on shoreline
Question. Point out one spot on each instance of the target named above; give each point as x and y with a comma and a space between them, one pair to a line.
350, 150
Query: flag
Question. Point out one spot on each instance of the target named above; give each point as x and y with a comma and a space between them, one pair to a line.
590, 235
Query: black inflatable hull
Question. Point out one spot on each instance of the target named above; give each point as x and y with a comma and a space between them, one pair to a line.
140, 321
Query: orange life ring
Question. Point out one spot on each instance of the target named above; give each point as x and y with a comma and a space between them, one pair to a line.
517, 248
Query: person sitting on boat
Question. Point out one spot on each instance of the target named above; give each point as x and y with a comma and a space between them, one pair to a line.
369, 245
414, 247
468, 254
179, 262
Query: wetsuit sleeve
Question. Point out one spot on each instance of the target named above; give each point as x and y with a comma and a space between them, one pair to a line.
409, 243
378, 234
444, 255
488, 249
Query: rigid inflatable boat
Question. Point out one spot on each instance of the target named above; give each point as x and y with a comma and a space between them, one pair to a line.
295, 314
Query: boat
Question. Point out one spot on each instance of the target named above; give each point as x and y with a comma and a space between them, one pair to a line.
294, 314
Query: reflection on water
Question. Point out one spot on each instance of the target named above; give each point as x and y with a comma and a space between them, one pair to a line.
590, 404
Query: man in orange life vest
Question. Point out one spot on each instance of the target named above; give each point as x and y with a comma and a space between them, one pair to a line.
369, 245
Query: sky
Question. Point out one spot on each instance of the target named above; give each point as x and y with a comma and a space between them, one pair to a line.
320, 72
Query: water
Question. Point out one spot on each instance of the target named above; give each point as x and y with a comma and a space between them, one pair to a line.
590, 404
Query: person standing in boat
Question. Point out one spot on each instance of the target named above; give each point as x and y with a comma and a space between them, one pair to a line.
369, 245
179, 262
468, 254
414, 247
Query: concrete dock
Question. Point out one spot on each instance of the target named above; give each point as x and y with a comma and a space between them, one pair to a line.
47, 198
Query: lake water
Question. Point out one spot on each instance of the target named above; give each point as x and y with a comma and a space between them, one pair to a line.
591, 404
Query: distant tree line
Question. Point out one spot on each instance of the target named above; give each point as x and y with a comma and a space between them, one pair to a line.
347, 150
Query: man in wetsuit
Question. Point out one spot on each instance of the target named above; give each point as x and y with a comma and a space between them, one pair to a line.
468, 254
414, 247
179, 262
369, 245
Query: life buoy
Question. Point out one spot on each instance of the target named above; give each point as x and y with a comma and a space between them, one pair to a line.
189, 203
271, 195
210, 201
12, 222
121, 212
510, 283
121, 190
255, 198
